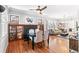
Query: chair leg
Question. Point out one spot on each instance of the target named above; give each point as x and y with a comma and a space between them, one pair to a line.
43, 43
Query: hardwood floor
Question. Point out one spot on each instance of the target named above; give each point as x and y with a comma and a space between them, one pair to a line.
56, 45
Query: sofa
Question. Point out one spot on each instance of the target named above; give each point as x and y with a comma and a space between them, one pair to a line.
54, 31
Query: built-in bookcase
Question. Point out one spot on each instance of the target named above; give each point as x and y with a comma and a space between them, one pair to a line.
15, 32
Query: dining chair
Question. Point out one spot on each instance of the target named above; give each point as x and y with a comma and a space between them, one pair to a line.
38, 38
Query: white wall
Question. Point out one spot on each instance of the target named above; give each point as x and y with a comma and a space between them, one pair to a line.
4, 30
0, 24
23, 15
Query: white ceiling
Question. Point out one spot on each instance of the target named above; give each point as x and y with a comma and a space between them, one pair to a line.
52, 10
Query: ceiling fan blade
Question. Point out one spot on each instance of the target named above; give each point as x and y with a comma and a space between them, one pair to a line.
32, 9
35, 9
44, 8
38, 9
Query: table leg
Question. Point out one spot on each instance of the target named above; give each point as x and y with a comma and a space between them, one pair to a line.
33, 43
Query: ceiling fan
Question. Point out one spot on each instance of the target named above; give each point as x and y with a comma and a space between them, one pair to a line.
40, 9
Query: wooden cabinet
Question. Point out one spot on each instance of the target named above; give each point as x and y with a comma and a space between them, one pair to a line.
73, 44
15, 32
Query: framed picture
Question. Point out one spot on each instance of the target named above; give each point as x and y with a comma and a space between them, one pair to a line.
14, 19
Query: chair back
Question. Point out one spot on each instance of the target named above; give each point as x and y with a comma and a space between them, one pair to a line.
39, 36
